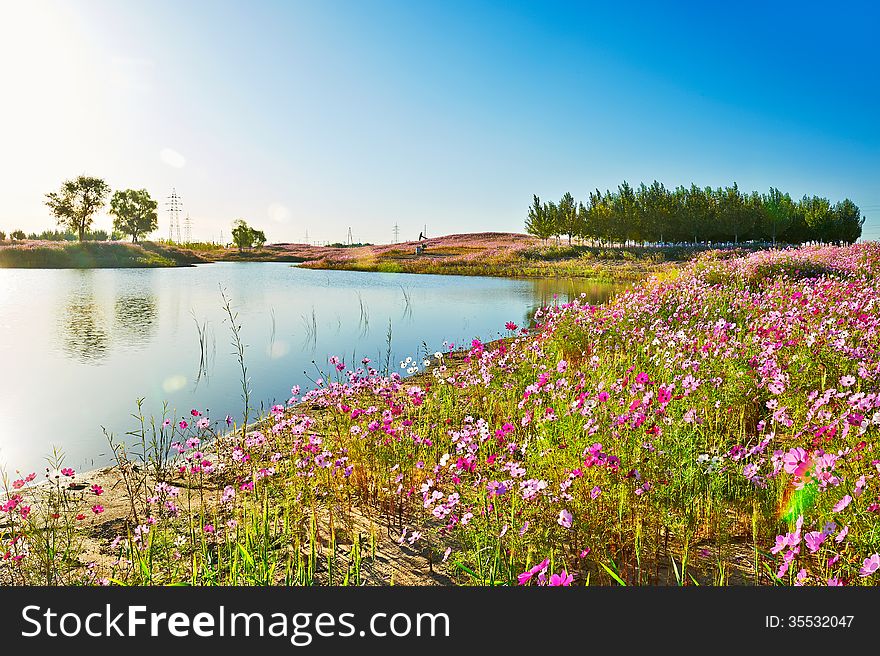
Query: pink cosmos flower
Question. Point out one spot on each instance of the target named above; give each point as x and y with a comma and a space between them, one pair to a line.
871, 565
843, 503
564, 519
97, 509
527, 576
561, 579
814, 540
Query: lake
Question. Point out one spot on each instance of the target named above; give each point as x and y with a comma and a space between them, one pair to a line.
79, 347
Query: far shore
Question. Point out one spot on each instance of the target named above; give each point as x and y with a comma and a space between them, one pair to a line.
511, 255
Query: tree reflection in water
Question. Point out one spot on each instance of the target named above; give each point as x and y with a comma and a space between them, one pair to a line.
86, 334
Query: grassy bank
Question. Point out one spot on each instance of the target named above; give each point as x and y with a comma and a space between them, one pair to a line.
501, 254
717, 426
92, 255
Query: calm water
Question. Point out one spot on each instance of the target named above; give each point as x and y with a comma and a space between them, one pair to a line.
79, 347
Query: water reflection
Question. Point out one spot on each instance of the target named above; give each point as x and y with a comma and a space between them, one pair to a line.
136, 319
556, 291
84, 327
164, 335
84, 335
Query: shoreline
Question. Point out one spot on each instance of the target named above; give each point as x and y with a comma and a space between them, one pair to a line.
500, 255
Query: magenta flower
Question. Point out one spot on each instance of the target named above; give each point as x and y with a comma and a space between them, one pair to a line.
843, 503
561, 579
814, 540
97, 509
526, 576
564, 519
871, 565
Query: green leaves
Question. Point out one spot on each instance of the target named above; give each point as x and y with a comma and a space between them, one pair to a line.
76, 204
134, 212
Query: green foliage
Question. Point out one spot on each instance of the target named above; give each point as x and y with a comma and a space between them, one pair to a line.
134, 213
66, 235
651, 214
244, 236
17, 235
76, 203
538, 222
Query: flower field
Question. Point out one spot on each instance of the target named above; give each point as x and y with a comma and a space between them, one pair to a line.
715, 426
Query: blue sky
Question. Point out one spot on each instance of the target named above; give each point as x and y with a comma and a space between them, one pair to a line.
323, 116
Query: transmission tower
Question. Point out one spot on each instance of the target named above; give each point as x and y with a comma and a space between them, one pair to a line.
187, 230
396, 233
174, 205
350, 240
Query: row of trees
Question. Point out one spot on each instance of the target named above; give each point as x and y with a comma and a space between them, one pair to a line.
657, 214
78, 201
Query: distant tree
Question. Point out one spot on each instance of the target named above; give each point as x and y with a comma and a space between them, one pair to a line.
778, 212
598, 221
624, 214
241, 234
17, 235
734, 217
819, 217
567, 217
76, 204
244, 236
551, 212
848, 221
2, 236
537, 221
134, 213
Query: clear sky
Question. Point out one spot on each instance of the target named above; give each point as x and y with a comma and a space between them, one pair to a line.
322, 116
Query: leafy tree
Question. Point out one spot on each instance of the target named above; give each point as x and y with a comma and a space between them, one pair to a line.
567, 217
244, 236
624, 213
778, 212
2, 236
819, 217
17, 235
77, 202
134, 213
733, 214
241, 234
537, 221
848, 221
551, 212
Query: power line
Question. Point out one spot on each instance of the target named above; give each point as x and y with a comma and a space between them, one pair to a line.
174, 204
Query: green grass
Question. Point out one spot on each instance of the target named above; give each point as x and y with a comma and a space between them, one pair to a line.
91, 255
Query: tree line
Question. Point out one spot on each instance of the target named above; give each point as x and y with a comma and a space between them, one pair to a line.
655, 214
134, 213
